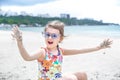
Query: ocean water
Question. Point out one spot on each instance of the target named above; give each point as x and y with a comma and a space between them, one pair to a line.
95, 31
110, 31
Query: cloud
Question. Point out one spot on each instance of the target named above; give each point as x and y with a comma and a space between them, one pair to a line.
23, 2
118, 2
106, 10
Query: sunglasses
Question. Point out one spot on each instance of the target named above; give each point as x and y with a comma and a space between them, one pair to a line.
52, 35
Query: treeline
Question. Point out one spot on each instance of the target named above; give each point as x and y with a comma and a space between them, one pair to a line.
35, 20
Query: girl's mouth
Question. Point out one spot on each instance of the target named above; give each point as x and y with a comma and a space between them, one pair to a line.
50, 42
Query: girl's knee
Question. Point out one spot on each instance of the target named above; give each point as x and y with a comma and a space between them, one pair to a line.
81, 75
69, 77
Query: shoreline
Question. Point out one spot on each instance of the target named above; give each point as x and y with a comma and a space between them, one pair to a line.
97, 65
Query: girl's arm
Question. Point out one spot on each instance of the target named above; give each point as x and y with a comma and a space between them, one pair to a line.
103, 45
25, 54
17, 34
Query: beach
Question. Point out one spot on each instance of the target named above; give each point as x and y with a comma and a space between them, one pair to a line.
100, 65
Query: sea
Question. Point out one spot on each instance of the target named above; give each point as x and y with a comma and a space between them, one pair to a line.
110, 31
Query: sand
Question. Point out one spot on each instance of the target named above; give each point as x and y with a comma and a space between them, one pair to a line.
100, 65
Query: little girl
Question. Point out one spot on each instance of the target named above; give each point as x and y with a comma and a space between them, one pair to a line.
50, 57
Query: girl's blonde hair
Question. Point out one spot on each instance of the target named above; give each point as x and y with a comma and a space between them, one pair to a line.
56, 24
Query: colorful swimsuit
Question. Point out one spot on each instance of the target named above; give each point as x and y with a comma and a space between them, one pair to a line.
50, 67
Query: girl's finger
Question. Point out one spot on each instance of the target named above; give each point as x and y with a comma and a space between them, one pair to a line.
17, 28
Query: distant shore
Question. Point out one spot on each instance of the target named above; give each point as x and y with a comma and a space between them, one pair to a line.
25, 20
100, 65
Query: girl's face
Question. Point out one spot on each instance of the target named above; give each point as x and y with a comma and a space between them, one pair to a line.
52, 38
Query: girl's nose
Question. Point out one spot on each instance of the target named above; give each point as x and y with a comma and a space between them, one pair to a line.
50, 37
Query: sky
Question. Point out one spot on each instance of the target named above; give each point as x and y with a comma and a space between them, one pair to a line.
106, 10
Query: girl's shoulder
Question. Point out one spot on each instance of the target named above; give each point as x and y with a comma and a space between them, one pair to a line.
42, 53
61, 49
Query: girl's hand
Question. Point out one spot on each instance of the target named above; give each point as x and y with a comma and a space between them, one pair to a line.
105, 44
16, 33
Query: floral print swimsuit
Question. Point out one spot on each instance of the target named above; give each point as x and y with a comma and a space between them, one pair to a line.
50, 67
